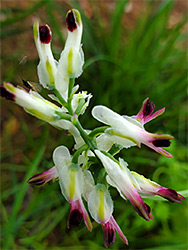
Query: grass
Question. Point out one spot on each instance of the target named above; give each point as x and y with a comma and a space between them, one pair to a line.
124, 65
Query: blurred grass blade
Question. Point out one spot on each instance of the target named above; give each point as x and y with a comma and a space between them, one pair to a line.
22, 15
9, 231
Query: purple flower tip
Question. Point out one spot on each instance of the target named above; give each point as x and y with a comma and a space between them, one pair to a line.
6, 94
109, 234
45, 34
143, 210
37, 179
161, 143
171, 195
75, 218
71, 21
148, 108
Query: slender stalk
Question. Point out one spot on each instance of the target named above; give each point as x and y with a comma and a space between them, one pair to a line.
78, 152
84, 135
97, 131
71, 85
64, 116
61, 99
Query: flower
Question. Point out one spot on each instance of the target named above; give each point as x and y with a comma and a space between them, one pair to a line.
100, 206
128, 132
47, 67
120, 177
43, 178
72, 57
53, 74
149, 187
80, 102
71, 182
32, 102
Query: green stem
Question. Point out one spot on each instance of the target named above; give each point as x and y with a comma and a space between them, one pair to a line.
84, 135
61, 99
78, 152
71, 85
97, 131
64, 116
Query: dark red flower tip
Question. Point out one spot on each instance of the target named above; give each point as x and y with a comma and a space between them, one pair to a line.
36, 179
144, 211
27, 86
75, 218
171, 195
109, 235
45, 34
161, 142
148, 108
71, 21
6, 94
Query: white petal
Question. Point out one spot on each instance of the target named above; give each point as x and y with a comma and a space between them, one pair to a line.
145, 184
111, 183
100, 204
61, 157
89, 184
104, 142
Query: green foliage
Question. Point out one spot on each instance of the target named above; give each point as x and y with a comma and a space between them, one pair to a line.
123, 66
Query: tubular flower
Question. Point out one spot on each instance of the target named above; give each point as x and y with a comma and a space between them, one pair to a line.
43, 178
47, 67
32, 102
128, 132
100, 206
71, 182
72, 57
120, 177
149, 187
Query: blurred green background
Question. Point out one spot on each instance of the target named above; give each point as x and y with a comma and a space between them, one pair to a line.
133, 50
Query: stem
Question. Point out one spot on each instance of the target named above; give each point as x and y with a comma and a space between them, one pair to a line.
84, 135
78, 152
61, 99
97, 131
71, 85
64, 116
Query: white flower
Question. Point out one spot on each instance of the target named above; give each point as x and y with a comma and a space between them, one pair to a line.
71, 180
47, 67
100, 206
80, 102
72, 57
128, 132
32, 102
122, 179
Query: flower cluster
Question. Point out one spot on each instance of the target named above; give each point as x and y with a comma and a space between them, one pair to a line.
75, 179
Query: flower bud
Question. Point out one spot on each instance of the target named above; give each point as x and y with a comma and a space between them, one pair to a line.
47, 67
33, 103
72, 57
